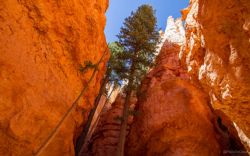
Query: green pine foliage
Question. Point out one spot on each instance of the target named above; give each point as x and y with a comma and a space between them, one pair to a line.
116, 66
139, 38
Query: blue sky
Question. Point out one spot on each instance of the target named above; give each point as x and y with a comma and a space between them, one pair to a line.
120, 9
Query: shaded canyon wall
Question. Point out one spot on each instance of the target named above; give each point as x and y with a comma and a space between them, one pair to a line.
106, 136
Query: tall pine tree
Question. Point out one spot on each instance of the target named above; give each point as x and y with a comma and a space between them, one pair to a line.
139, 37
113, 77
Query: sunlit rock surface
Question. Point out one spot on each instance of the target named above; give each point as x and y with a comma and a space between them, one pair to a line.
217, 55
43, 44
174, 32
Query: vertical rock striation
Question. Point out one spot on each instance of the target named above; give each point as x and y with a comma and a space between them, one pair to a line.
217, 55
44, 45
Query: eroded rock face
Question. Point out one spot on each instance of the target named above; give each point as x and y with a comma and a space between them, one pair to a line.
106, 136
217, 54
43, 45
174, 115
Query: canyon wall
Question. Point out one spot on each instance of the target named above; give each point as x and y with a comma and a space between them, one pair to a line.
196, 98
46, 47
171, 109
217, 55
175, 116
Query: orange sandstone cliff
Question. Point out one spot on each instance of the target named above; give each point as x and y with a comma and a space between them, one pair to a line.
217, 55
198, 94
175, 116
195, 101
43, 47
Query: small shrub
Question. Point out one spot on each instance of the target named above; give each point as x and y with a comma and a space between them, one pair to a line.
87, 65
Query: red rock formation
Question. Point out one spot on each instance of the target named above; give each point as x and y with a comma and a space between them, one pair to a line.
217, 54
106, 136
175, 117
104, 104
42, 46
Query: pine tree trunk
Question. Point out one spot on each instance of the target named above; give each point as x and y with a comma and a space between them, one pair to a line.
121, 144
109, 96
123, 132
82, 138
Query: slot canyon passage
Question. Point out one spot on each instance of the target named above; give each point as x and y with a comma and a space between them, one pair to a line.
194, 102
